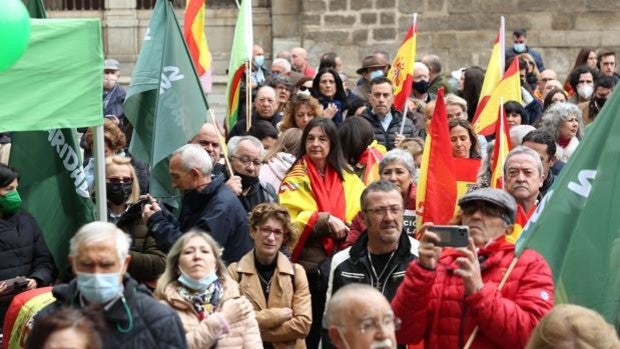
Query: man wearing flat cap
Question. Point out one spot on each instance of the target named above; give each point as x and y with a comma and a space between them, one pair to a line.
113, 93
448, 292
372, 67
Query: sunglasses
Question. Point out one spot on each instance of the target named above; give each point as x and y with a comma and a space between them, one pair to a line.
119, 179
304, 88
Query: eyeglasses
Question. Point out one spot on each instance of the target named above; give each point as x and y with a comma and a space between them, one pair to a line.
266, 231
382, 211
246, 161
119, 179
486, 209
369, 325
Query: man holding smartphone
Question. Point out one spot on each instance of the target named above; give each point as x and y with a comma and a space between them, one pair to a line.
448, 292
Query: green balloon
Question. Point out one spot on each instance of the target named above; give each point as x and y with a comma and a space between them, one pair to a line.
14, 32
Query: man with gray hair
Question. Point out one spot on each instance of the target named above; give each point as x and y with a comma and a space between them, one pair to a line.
421, 78
437, 80
523, 178
207, 204
358, 316
99, 256
246, 154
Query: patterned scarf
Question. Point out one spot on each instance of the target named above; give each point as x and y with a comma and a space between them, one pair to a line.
204, 301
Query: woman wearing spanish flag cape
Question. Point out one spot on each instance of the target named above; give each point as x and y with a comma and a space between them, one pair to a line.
322, 195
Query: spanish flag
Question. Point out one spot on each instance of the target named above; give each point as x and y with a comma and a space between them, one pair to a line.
401, 72
194, 34
20, 314
493, 75
466, 173
437, 190
240, 55
367, 166
501, 150
509, 89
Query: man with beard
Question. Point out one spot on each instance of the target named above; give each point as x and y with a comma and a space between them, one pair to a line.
246, 153
381, 255
207, 204
359, 317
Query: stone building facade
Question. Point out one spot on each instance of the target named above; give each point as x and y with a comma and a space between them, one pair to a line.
459, 31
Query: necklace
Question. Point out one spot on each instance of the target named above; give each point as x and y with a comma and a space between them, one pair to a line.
267, 284
378, 284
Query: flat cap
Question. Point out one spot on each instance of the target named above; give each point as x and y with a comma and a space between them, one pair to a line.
495, 197
111, 64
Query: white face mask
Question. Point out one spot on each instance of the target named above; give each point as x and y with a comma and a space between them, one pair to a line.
585, 91
109, 80
383, 344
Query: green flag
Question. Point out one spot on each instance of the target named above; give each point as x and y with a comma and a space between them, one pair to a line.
50, 167
240, 54
164, 103
57, 83
36, 9
577, 226
53, 186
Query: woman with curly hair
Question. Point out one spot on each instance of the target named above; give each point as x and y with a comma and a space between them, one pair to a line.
564, 122
299, 111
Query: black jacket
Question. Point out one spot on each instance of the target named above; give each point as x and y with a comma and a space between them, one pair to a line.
239, 128
387, 137
215, 210
150, 323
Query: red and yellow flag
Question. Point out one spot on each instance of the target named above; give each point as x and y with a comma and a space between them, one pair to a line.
509, 89
401, 72
492, 77
466, 173
500, 152
194, 34
437, 191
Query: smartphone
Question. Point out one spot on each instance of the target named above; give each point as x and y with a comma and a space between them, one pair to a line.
451, 235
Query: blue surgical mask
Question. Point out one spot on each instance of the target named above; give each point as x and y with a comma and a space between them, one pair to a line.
519, 48
194, 284
99, 288
376, 74
259, 60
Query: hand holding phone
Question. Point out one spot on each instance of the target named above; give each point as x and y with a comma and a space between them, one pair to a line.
451, 235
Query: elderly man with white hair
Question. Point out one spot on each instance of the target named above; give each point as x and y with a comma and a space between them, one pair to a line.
421, 83
99, 256
207, 203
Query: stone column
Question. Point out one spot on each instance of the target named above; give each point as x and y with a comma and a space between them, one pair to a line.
120, 33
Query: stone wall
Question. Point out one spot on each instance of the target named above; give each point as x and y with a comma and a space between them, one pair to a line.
459, 31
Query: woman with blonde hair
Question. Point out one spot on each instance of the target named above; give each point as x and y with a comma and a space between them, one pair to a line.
569, 326
280, 157
197, 285
300, 109
124, 210
277, 288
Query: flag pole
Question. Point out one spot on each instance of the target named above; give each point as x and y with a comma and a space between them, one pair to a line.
222, 146
502, 44
406, 108
248, 96
497, 141
100, 189
511, 267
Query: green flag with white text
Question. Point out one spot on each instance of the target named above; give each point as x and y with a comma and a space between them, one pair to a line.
52, 181
577, 224
164, 103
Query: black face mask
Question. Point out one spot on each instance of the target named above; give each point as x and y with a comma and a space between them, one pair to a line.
420, 86
118, 193
247, 181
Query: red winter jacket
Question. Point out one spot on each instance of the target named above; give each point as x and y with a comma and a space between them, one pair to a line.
433, 307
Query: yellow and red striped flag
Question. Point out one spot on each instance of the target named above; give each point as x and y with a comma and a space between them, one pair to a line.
509, 89
493, 76
501, 150
240, 55
194, 34
437, 191
401, 71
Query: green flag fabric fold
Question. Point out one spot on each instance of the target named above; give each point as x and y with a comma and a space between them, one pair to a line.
57, 83
577, 226
164, 103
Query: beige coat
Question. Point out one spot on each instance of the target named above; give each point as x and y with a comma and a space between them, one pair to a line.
204, 334
275, 329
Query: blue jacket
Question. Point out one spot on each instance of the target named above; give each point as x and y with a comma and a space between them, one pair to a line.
216, 210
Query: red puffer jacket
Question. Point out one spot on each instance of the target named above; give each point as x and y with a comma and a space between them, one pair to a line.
433, 307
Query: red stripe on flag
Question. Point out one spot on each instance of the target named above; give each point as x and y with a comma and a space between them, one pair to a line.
191, 11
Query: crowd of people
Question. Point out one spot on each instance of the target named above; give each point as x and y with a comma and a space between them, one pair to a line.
303, 235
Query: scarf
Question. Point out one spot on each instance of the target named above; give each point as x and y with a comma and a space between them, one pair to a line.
205, 301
